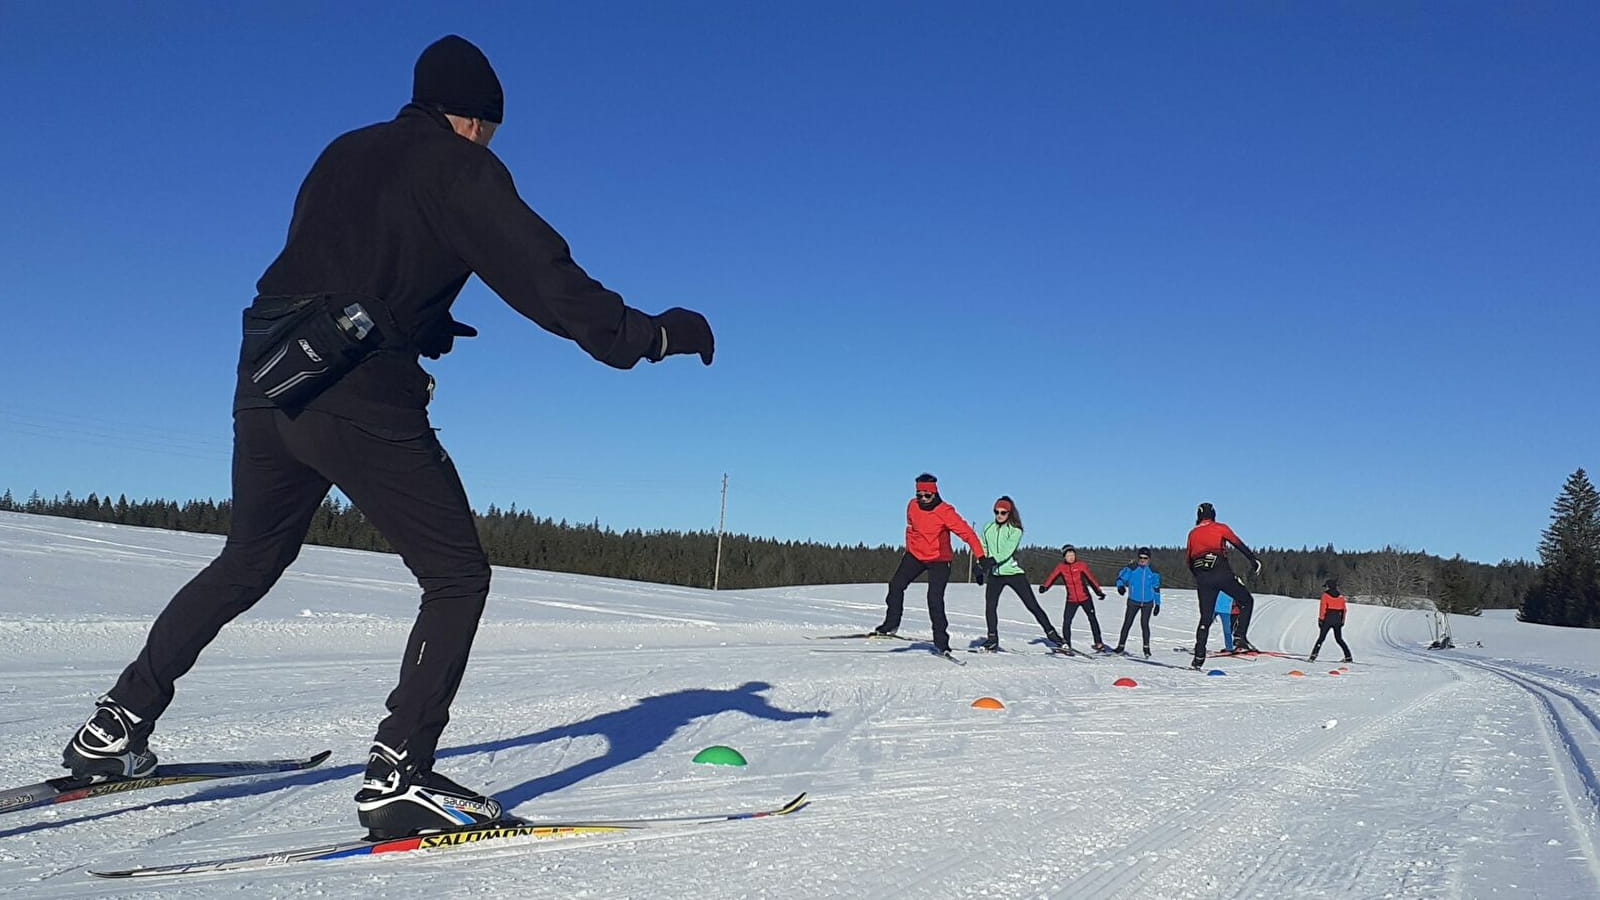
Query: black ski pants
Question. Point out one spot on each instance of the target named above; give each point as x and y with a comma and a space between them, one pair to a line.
1024, 591
406, 486
1141, 611
1334, 622
938, 577
1071, 612
1219, 579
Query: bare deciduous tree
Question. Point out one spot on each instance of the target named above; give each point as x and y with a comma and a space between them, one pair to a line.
1395, 576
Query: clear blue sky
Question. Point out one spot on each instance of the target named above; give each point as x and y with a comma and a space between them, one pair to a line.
1331, 266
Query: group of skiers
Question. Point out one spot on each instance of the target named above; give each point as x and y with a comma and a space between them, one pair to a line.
930, 521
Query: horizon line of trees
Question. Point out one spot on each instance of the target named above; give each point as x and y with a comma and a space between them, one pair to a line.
520, 539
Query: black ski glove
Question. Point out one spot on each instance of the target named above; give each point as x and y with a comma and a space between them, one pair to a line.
683, 331
1156, 611
443, 340
1122, 589
986, 563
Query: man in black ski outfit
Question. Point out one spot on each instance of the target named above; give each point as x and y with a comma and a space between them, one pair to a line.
1207, 554
400, 215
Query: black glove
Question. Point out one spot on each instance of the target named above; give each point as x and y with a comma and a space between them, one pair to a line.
682, 330
443, 340
986, 563
1043, 588
1156, 611
1122, 589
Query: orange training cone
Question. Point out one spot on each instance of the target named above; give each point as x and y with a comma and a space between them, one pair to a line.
1334, 672
988, 703
1297, 673
1125, 682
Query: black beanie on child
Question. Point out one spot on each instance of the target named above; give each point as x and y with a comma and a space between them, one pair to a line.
453, 75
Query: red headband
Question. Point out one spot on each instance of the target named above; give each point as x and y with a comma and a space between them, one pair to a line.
1005, 505
929, 486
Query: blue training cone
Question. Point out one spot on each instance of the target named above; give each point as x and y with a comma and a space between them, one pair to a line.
1216, 672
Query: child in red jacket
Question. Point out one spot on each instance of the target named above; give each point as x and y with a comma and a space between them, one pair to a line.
1075, 574
1330, 617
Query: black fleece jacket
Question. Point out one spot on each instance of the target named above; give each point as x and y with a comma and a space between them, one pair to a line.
406, 211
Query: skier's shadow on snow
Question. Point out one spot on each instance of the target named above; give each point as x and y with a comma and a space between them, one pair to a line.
631, 733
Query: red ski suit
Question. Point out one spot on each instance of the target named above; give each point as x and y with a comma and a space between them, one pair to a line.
1073, 574
928, 532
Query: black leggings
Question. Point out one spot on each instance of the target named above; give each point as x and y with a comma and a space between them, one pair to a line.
938, 577
1018, 583
1071, 611
1220, 579
1142, 611
407, 487
1334, 622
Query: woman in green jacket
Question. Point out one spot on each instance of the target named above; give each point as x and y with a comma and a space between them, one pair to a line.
1001, 538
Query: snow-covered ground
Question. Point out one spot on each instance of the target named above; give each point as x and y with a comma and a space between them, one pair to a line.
1473, 773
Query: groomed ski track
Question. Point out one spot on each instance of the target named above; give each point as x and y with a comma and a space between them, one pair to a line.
1469, 773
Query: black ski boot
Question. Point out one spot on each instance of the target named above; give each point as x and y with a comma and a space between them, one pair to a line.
399, 799
1348, 659
1054, 637
114, 743
991, 644
1312, 657
1119, 650
1146, 651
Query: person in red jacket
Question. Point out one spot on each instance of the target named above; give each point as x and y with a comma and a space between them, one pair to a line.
1075, 574
1207, 554
1330, 617
929, 523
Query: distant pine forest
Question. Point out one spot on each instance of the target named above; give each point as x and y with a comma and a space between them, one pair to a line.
521, 539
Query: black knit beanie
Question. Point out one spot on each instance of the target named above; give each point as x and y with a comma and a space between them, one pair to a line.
453, 75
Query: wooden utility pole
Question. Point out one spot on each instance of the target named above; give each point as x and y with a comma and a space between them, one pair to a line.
722, 518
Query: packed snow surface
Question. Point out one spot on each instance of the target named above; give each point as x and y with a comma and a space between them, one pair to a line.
1467, 773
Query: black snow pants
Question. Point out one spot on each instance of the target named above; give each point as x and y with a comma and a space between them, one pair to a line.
1018, 583
1219, 579
406, 486
938, 577
1333, 621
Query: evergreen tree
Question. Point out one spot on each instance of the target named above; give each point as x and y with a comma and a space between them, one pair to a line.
1459, 592
1568, 589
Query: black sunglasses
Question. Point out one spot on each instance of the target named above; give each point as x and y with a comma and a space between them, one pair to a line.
1002, 512
924, 495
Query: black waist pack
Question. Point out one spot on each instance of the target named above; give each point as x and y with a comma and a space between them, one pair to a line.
296, 347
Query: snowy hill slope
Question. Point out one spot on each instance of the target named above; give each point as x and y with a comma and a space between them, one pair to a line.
1458, 774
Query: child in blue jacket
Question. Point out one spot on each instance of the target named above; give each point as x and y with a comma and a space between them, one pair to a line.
1141, 584
1225, 613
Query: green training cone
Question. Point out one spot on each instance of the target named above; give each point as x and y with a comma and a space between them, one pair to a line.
720, 756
